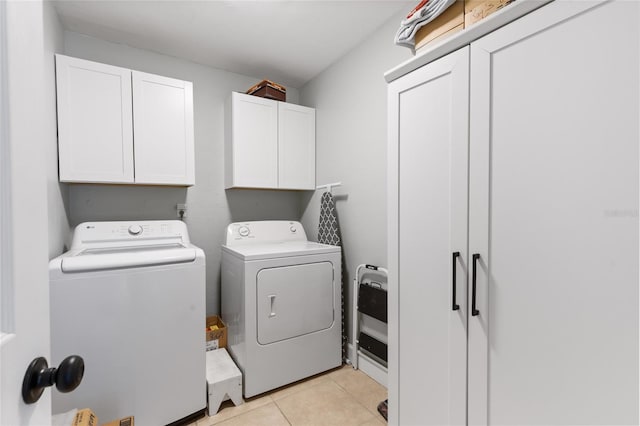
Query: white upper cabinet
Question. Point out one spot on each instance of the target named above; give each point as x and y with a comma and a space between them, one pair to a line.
163, 129
269, 144
297, 146
95, 133
251, 142
121, 126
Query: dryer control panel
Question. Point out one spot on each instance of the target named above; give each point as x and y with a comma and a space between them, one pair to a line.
263, 232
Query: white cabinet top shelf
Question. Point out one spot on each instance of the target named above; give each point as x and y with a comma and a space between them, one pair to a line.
447, 45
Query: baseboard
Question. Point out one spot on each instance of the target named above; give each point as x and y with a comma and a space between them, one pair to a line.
369, 367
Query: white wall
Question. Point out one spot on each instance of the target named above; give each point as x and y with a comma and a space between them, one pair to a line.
350, 98
209, 207
57, 193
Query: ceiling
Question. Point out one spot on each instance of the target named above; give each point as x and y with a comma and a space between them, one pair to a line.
289, 42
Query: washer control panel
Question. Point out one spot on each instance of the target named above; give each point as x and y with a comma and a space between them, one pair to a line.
268, 231
88, 233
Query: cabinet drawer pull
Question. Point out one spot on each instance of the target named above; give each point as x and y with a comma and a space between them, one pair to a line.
454, 305
474, 311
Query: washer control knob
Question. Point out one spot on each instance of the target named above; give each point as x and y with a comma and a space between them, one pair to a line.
293, 229
243, 231
135, 229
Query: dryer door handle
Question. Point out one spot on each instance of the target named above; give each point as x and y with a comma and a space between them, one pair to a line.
272, 300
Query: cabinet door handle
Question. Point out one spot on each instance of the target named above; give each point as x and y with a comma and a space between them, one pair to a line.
474, 311
454, 305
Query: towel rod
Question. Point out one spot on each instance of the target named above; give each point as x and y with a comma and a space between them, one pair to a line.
328, 186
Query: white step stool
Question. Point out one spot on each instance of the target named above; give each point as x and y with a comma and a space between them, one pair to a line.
224, 380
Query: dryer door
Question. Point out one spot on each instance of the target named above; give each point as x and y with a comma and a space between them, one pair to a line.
294, 300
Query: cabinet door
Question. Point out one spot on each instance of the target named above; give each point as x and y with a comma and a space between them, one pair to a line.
95, 139
163, 130
428, 161
296, 147
554, 217
251, 147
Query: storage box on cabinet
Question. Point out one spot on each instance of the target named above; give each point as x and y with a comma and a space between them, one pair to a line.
533, 317
116, 125
476, 10
460, 15
268, 144
449, 22
270, 90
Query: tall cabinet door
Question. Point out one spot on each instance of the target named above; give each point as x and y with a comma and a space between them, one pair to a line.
428, 162
554, 218
163, 127
94, 121
296, 147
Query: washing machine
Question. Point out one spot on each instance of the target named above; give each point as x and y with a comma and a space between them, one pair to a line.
281, 303
129, 298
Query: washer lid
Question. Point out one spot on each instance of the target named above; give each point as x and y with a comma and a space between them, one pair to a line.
277, 250
126, 257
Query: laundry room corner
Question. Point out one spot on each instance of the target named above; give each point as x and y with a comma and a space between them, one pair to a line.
210, 208
299, 213
351, 136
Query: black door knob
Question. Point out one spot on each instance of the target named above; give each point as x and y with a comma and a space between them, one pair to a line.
39, 376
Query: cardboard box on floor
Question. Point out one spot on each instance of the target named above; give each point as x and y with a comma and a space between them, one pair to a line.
215, 339
85, 417
458, 16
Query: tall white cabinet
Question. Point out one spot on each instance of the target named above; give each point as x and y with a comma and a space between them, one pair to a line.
116, 125
269, 144
430, 218
296, 146
529, 136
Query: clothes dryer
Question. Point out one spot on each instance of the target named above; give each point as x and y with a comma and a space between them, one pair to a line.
281, 302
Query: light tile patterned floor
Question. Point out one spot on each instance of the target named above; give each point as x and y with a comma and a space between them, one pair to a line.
342, 397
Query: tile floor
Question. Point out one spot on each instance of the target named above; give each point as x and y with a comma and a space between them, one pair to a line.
340, 397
